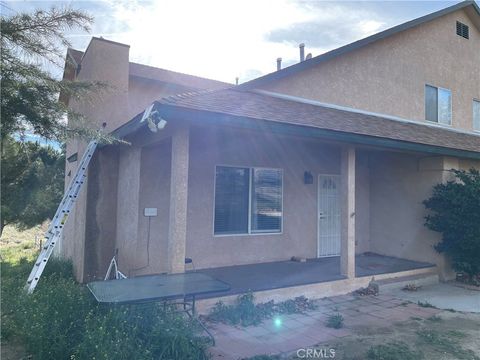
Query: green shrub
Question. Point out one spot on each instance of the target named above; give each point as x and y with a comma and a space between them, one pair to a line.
455, 212
335, 321
245, 312
52, 318
61, 320
140, 332
425, 304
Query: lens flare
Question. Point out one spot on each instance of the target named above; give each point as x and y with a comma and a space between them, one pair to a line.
278, 322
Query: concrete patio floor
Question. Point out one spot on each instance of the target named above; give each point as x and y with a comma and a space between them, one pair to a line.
281, 274
292, 332
443, 296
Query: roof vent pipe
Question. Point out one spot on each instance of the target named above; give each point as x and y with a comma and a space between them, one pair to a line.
302, 52
279, 64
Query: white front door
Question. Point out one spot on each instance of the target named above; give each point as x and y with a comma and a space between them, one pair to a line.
328, 215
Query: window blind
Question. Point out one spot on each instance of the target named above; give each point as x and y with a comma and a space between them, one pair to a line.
266, 200
231, 200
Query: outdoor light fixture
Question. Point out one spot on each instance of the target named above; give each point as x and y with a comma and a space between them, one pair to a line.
161, 124
307, 177
154, 121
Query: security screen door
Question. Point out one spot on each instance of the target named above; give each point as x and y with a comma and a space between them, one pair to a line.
328, 215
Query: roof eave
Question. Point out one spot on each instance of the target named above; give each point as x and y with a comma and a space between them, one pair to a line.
173, 112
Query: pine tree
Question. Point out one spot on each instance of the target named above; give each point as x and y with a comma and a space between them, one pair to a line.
29, 94
32, 175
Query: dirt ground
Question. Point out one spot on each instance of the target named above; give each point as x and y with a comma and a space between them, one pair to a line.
447, 336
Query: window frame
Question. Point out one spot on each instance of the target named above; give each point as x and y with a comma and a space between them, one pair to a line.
249, 232
438, 88
475, 101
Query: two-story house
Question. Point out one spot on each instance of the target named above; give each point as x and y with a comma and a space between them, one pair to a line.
327, 160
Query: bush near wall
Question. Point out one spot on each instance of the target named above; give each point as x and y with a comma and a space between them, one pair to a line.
455, 213
61, 320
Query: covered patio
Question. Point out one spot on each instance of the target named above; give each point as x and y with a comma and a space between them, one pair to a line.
284, 274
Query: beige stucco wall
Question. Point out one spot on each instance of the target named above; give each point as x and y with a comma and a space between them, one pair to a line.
155, 193
211, 147
389, 190
399, 184
124, 97
389, 76
101, 219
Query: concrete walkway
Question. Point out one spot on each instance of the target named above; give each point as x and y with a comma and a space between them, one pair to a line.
288, 333
443, 296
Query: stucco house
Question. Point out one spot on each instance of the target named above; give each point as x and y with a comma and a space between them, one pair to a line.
327, 160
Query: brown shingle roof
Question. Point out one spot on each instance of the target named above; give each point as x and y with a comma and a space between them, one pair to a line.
154, 73
263, 107
195, 82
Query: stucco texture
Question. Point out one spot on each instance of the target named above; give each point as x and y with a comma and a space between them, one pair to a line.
389, 76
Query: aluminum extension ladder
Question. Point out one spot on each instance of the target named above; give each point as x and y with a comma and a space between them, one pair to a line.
55, 230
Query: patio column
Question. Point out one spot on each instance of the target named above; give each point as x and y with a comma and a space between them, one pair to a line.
347, 257
177, 231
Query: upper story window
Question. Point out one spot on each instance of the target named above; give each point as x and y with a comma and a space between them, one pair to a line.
248, 200
476, 115
438, 105
462, 30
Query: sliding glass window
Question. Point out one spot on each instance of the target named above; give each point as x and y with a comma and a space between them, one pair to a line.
248, 200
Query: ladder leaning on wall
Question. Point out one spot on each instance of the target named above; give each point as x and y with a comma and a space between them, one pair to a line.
55, 229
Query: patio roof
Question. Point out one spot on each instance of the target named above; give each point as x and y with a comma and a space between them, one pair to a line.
264, 112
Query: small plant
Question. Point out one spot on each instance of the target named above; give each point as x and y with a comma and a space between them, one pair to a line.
298, 305
411, 287
245, 312
335, 321
372, 289
435, 318
393, 351
425, 304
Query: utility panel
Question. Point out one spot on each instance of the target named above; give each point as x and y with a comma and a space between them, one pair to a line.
150, 212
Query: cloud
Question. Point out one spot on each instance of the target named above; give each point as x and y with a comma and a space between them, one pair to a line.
227, 39
338, 23
332, 26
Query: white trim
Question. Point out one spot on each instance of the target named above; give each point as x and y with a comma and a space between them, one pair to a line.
363, 112
338, 176
474, 100
438, 123
250, 185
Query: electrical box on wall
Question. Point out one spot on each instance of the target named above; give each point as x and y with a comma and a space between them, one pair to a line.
150, 212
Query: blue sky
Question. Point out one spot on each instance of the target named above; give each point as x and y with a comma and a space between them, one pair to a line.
223, 39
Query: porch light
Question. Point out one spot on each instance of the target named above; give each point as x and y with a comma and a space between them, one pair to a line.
307, 177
